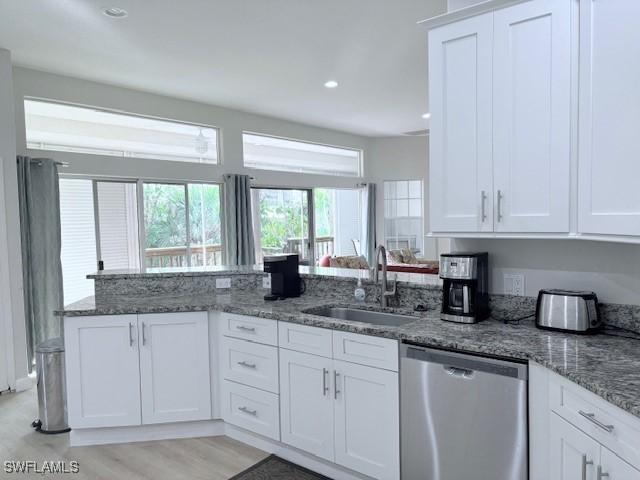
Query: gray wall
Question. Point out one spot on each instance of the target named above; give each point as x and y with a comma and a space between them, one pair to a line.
8, 153
612, 270
33, 83
403, 158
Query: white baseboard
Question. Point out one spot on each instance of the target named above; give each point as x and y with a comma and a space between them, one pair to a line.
145, 433
25, 383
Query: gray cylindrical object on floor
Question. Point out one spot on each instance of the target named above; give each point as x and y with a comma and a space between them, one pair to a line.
52, 397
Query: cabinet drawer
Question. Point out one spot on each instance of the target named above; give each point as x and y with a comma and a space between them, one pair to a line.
614, 428
366, 350
249, 363
303, 338
260, 330
250, 408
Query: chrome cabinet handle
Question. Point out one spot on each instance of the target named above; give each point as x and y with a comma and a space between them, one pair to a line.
246, 329
483, 199
585, 462
500, 196
602, 474
247, 364
248, 411
592, 418
130, 334
325, 387
144, 336
335, 385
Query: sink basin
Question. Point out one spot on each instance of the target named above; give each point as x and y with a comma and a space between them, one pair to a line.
364, 316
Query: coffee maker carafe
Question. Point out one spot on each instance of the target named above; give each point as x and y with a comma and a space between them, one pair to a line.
465, 292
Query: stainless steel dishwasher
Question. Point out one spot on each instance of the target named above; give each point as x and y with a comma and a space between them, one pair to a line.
463, 417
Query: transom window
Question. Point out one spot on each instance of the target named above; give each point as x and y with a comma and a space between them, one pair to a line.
70, 128
272, 153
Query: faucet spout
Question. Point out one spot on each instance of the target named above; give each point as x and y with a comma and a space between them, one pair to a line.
384, 294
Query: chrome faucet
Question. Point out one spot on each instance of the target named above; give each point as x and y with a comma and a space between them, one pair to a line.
384, 294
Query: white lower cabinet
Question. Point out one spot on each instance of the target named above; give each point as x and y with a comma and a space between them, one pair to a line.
615, 467
251, 408
576, 435
366, 420
125, 370
341, 411
576, 456
102, 370
306, 403
174, 367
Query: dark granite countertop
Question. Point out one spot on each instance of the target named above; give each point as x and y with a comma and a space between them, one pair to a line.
607, 366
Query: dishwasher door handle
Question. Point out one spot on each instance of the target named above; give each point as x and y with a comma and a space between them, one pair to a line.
458, 372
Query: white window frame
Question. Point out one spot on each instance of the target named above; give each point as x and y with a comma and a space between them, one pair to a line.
420, 237
127, 113
140, 207
308, 142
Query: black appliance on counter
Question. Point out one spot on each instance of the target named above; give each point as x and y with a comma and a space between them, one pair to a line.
285, 278
465, 290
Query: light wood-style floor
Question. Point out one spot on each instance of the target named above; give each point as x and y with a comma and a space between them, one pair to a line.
212, 458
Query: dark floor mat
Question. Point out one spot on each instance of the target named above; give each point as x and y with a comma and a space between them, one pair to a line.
276, 468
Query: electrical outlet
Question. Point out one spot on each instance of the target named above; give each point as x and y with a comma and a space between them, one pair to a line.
266, 281
223, 283
514, 284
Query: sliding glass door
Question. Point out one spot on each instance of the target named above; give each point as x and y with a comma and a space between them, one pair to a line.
338, 221
117, 224
282, 222
101, 227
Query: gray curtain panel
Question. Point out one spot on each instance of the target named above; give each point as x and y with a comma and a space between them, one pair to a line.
40, 233
239, 244
369, 216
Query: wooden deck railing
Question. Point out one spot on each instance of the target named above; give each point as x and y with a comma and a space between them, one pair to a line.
212, 254
177, 256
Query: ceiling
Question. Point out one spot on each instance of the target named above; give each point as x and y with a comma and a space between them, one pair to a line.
269, 57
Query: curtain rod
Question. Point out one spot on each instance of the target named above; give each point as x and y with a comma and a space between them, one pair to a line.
60, 164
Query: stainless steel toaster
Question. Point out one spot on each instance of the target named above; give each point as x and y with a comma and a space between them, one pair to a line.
567, 310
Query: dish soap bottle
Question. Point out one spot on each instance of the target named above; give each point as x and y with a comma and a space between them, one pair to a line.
359, 292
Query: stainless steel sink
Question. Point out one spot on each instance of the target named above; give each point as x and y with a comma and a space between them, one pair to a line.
364, 316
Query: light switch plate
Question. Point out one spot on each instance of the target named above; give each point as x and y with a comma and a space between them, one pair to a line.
223, 282
514, 284
266, 281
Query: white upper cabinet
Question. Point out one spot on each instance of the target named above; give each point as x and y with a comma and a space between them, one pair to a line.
609, 147
174, 367
532, 117
460, 168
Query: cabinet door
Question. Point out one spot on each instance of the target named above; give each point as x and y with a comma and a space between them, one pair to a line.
367, 420
103, 375
609, 197
615, 468
306, 403
174, 367
574, 455
460, 158
532, 117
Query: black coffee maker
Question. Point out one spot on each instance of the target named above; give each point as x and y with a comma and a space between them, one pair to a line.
465, 290
285, 278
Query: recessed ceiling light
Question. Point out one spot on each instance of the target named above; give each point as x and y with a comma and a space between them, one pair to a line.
331, 84
115, 12
426, 115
